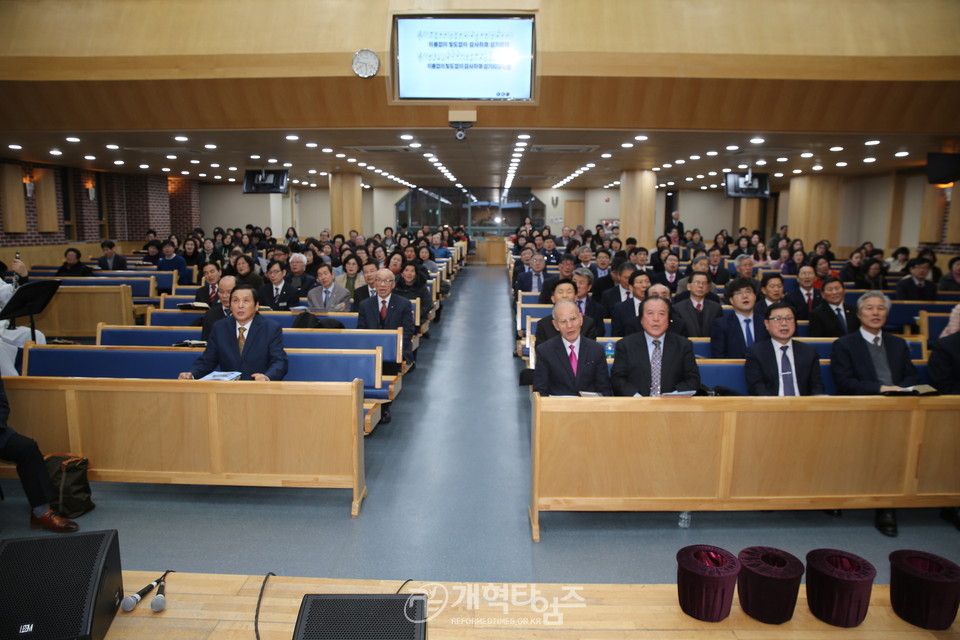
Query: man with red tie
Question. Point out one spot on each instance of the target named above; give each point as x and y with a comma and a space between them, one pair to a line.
570, 362
805, 298
207, 292
697, 311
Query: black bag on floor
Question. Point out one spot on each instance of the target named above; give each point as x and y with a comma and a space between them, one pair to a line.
69, 475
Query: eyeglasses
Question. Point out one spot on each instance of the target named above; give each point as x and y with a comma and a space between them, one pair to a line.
782, 319
382, 281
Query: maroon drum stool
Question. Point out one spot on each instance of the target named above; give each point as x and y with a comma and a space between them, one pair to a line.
924, 588
706, 577
838, 586
768, 584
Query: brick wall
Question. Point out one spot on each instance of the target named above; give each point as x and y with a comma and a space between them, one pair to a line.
184, 205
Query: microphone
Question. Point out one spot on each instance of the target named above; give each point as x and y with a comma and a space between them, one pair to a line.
130, 602
159, 602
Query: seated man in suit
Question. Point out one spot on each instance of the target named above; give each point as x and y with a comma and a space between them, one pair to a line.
587, 306
565, 266
622, 291
328, 296
364, 291
110, 261
719, 274
870, 362
833, 318
625, 318
731, 335
805, 298
670, 275
779, 365
33, 474
677, 324
654, 361
534, 279
698, 312
219, 310
565, 290
916, 286
771, 291
297, 275
387, 311
207, 292
944, 365
744, 266
521, 264
601, 268
569, 362
248, 343
277, 294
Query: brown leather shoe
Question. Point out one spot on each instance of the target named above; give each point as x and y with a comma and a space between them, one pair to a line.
53, 522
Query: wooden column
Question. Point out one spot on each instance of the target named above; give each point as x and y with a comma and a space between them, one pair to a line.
748, 213
346, 203
815, 208
895, 226
638, 203
12, 199
931, 213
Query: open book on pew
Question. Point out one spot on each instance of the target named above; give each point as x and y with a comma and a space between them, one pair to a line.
222, 375
915, 390
193, 306
190, 343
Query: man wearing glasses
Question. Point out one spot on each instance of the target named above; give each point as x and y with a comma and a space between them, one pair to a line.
779, 365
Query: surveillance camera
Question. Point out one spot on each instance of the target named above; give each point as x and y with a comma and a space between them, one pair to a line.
461, 127
461, 134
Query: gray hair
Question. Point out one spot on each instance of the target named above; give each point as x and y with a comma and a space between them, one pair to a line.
298, 257
586, 273
862, 300
562, 303
700, 259
740, 258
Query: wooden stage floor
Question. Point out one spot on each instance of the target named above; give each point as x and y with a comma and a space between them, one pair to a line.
222, 607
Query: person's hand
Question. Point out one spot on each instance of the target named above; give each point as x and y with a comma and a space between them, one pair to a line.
186, 375
18, 267
884, 388
259, 377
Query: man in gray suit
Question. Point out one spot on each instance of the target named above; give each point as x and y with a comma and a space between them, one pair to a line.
327, 296
697, 311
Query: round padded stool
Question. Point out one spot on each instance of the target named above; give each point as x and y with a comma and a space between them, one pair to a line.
768, 583
706, 577
838, 586
924, 588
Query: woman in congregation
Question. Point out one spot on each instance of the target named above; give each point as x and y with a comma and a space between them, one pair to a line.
760, 254
246, 268
798, 259
872, 276
853, 270
696, 243
191, 256
411, 284
291, 236
350, 279
951, 281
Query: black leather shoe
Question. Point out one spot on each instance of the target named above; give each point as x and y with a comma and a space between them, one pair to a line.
951, 515
885, 521
385, 416
833, 513
53, 522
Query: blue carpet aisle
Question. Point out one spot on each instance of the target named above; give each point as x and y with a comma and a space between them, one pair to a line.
449, 488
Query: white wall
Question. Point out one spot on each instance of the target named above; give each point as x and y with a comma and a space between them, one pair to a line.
556, 212
912, 208
600, 204
312, 212
227, 206
383, 209
708, 211
873, 215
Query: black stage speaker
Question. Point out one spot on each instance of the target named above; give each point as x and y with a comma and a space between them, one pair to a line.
362, 617
59, 587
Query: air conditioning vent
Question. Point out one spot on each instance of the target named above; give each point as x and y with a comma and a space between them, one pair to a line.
562, 148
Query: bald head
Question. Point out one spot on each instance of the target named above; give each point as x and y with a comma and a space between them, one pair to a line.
384, 282
659, 291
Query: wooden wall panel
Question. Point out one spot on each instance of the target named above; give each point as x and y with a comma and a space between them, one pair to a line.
815, 206
45, 198
12, 199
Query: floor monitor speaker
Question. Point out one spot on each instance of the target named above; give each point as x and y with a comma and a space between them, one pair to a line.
362, 617
59, 587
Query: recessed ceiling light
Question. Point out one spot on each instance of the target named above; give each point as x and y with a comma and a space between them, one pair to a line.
836, 148
214, 165
641, 138
732, 147
806, 154
144, 166
782, 159
700, 176
272, 161
711, 153
406, 136
327, 150
627, 145
181, 138
312, 171
870, 143
56, 152
89, 157
681, 161
694, 157
361, 164
522, 144
797, 171
606, 155
667, 165
689, 179
231, 168
778, 175
761, 163
726, 169
184, 173
254, 157
118, 162
841, 164
415, 145
757, 140
712, 173
741, 166
523, 136
703, 186
113, 147
656, 168
902, 154
817, 167
194, 162
351, 159
231, 179
287, 164
341, 155
165, 169
15, 147
73, 139
218, 177
171, 157
293, 138
868, 160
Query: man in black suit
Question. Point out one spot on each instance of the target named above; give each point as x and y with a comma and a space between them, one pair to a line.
586, 305
533, 280
601, 268
674, 223
565, 290
387, 311
771, 291
944, 365
697, 311
780, 365
653, 361
670, 275
569, 362
364, 291
805, 298
32, 471
719, 274
277, 294
916, 286
110, 261
731, 335
870, 362
605, 278
625, 316
221, 310
565, 267
622, 291
297, 276
833, 318
207, 292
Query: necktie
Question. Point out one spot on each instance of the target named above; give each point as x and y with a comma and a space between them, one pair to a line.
539, 283
809, 301
580, 308
749, 333
628, 296
876, 341
276, 295
843, 321
383, 311
213, 293
326, 297
786, 373
699, 307
655, 364
240, 339
573, 360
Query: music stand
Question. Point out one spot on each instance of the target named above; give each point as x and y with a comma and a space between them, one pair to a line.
30, 299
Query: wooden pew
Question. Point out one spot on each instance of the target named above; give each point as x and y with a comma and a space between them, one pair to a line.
75, 311
722, 454
213, 432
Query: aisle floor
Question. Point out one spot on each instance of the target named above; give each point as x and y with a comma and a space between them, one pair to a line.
448, 483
